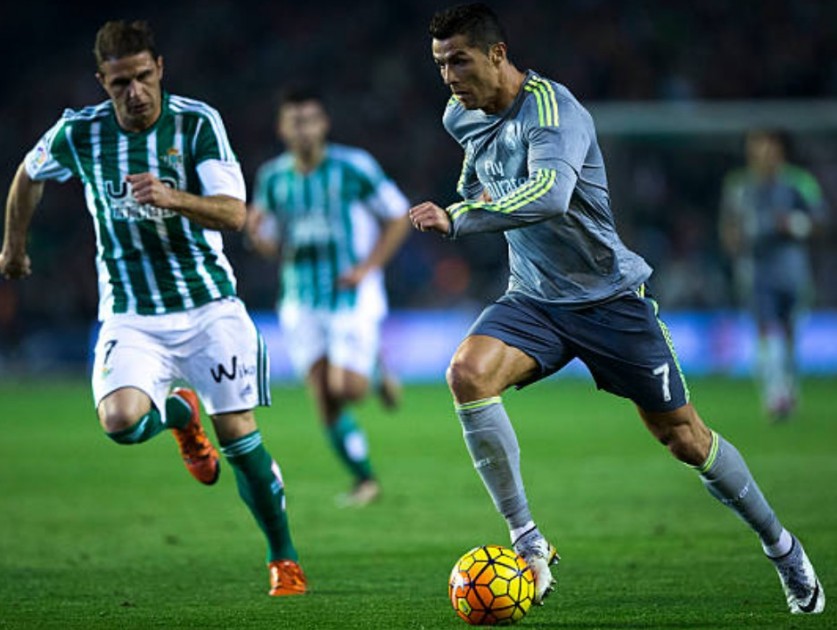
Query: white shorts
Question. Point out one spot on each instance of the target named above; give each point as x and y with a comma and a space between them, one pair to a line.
348, 339
216, 349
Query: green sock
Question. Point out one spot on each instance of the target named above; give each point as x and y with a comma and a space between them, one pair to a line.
349, 441
260, 486
178, 413
144, 429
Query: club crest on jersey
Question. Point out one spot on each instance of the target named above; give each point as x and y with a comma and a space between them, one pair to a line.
41, 155
173, 158
512, 135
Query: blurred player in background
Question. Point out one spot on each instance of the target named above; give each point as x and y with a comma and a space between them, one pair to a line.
533, 170
160, 180
769, 211
335, 219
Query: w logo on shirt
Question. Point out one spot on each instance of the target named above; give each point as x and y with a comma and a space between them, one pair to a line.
222, 372
235, 370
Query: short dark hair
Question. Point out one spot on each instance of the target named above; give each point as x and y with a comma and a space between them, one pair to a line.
118, 38
476, 21
293, 94
775, 134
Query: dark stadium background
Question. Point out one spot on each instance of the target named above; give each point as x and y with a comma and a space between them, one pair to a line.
647, 70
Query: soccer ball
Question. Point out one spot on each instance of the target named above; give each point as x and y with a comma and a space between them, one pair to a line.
491, 585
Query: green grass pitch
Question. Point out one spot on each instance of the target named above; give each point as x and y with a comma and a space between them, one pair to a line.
95, 535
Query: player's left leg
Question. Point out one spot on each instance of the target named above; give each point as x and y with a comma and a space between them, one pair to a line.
387, 384
774, 358
727, 478
335, 389
261, 487
226, 362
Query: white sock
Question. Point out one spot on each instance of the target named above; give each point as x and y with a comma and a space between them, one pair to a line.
780, 547
517, 532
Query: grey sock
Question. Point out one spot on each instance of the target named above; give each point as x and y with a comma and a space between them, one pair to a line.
728, 479
492, 443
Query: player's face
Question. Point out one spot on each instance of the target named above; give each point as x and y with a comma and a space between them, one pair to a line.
764, 153
133, 85
472, 75
303, 127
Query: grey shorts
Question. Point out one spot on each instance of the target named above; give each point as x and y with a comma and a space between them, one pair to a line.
623, 343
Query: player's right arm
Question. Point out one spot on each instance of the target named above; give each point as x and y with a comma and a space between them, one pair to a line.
262, 225
49, 159
731, 231
261, 229
24, 196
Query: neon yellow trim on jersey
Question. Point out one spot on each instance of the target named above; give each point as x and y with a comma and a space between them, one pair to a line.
530, 191
460, 185
545, 179
477, 404
670, 343
547, 104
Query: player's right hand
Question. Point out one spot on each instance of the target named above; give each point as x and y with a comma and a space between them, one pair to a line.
427, 216
15, 267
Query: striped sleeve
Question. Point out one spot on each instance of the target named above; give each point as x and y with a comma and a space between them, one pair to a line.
52, 156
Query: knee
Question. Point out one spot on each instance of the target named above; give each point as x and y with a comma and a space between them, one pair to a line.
466, 380
350, 392
115, 420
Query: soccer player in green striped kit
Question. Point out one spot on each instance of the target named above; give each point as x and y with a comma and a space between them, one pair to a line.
335, 219
160, 181
534, 171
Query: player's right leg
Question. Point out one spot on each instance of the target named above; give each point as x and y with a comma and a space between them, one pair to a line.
482, 368
131, 377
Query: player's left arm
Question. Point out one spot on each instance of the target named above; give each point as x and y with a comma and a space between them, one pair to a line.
808, 215
393, 233
221, 207
390, 205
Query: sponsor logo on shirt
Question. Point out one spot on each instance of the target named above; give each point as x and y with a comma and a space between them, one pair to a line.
123, 206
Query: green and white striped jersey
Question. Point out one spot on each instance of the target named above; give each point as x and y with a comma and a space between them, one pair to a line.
149, 260
328, 221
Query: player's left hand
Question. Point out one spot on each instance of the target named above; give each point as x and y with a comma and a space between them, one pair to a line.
427, 216
147, 189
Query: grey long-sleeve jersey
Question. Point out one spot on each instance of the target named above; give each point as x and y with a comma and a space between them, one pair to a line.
540, 163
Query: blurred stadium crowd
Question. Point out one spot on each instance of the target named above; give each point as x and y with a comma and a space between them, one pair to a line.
372, 61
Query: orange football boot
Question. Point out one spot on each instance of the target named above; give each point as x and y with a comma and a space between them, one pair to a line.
199, 455
286, 578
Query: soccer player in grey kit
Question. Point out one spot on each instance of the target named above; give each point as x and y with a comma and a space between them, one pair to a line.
534, 171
